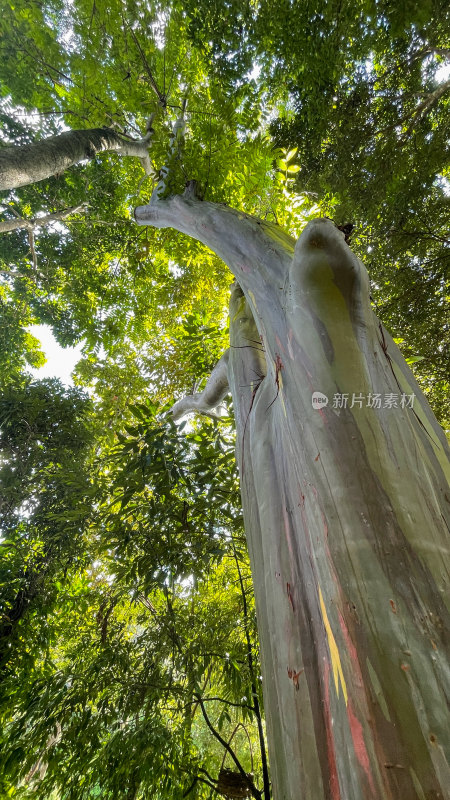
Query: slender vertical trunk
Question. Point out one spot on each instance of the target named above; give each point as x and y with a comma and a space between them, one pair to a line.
347, 513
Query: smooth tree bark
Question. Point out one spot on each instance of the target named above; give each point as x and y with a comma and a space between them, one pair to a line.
20, 166
346, 509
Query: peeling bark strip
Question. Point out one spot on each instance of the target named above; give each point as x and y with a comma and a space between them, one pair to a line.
349, 550
20, 166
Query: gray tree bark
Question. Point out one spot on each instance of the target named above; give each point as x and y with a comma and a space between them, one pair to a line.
347, 514
20, 166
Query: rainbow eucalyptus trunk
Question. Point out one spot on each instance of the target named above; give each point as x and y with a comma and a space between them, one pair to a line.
346, 511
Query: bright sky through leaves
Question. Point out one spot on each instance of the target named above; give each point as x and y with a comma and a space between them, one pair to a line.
60, 362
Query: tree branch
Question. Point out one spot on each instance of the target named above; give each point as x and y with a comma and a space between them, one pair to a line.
191, 787
205, 772
215, 390
226, 702
426, 51
255, 792
39, 222
20, 166
161, 97
425, 106
258, 252
208, 783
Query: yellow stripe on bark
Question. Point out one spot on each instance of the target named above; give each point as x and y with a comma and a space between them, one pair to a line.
334, 652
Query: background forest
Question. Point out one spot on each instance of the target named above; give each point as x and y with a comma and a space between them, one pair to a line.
129, 659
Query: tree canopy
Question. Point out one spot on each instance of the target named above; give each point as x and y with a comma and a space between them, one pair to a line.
127, 617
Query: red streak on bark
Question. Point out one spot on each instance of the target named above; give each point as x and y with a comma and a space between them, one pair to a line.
359, 744
355, 725
288, 536
393, 606
289, 594
289, 344
322, 414
351, 649
280, 346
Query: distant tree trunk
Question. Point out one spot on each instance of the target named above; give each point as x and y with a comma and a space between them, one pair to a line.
347, 513
20, 166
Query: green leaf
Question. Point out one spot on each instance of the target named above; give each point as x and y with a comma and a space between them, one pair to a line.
414, 359
291, 154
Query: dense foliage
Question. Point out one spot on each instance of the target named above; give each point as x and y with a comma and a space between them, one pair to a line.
129, 656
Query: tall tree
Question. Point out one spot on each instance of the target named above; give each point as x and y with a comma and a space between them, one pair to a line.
336, 499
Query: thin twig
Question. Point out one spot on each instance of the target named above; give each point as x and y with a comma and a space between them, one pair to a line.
153, 84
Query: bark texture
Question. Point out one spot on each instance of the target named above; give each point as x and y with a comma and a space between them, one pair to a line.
20, 166
347, 514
